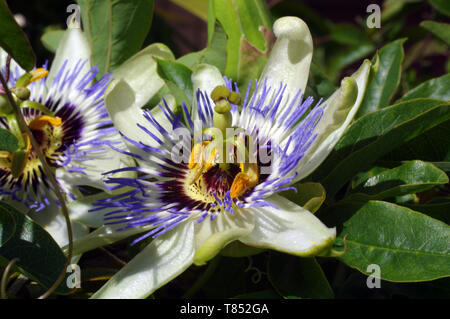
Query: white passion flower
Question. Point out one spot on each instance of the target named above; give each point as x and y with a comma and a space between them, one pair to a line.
64, 108
220, 189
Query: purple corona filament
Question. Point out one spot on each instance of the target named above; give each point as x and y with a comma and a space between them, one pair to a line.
160, 197
83, 135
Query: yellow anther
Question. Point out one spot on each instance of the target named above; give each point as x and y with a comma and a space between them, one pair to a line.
198, 154
38, 74
246, 179
201, 160
44, 120
240, 185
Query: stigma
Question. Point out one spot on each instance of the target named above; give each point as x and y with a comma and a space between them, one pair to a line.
211, 176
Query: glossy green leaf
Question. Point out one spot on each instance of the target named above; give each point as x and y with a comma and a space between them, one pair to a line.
443, 6
441, 30
432, 146
407, 245
294, 277
408, 178
375, 135
50, 39
309, 195
178, 79
40, 257
437, 88
116, 29
385, 80
13, 40
8, 141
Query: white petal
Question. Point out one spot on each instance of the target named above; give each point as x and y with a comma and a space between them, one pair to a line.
73, 47
79, 210
290, 58
140, 73
205, 78
104, 235
212, 236
162, 260
126, 114
291, 229
337, 116
54, 222
13, 66
94, 169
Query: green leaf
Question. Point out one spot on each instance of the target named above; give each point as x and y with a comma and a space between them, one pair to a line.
376, 134
294, 277
40, 257
437, 88
441, 30
432, 146
344, 56
443, 6
348, 34
8, 142
408, 178
7, 226
50, 39
13, 40
178, 79
384, 82
407, 245
116, 29
439, 210
320, 82
247, 24
309, 195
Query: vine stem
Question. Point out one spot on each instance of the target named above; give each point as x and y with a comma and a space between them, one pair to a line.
47, 170
5, 278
